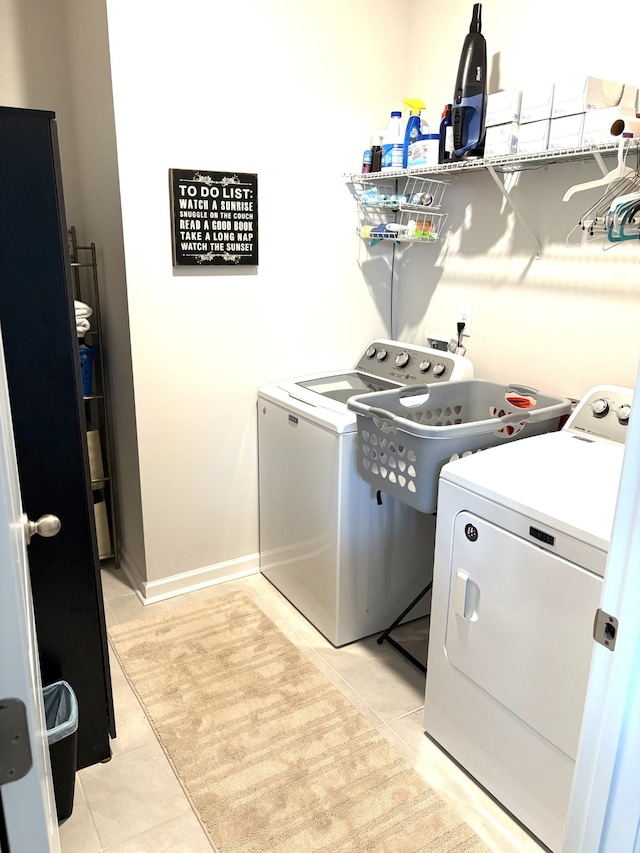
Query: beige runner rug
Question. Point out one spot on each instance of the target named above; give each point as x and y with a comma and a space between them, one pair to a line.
272, 756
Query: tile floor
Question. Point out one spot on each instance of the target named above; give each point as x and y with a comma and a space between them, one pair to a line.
135, 804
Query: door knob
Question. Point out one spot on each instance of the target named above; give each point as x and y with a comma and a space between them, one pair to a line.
47, 525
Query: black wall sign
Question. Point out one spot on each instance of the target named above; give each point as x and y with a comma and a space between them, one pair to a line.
214, 217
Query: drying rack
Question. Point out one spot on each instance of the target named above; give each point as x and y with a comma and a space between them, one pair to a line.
386, 634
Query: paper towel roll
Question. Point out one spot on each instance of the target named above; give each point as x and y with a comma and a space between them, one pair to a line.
96, 465
626, 125
102, 529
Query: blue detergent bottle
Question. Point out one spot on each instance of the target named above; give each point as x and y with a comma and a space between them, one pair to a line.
416, 129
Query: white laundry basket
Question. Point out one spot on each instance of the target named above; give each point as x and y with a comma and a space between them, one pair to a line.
406, 435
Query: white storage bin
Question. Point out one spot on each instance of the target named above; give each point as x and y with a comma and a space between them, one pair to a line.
537, 103
578, 95
533, 137
503, 107
501, 139
566, 132
597, 123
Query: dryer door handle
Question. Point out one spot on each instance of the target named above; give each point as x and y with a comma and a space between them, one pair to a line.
466, 596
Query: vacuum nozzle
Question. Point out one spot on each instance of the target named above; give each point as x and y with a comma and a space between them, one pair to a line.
476, 19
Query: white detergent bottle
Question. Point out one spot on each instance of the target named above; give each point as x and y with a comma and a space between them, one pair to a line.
393, 143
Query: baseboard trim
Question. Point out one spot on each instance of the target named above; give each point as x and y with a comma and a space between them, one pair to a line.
151, 591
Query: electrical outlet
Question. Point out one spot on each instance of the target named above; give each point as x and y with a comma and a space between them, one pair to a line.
465, 316
437, 340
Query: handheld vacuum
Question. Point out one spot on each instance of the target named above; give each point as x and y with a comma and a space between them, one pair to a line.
470, 97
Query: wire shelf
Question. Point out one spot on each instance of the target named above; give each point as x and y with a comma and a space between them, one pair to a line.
510, 162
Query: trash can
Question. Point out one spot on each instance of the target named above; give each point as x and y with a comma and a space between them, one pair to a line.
61, 715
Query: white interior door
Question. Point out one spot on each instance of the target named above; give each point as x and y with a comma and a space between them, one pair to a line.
28, 802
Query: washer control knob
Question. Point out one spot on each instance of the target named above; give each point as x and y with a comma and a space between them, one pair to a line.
623, 413
439, 369
403, 359
425, 366
600, 407
371, 352
382, 354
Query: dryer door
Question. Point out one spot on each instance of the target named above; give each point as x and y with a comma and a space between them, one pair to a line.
520, 624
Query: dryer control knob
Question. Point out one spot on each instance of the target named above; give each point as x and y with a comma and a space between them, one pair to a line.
371, 352
403, 359
425, 366
623, 413
600, 407
382, 354
439, 369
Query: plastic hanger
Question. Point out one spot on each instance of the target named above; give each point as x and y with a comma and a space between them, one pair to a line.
620, 171
599, 218
622, 217
623, 199
595, 220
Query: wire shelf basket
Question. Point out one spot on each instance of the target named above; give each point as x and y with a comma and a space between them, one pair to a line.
409, 215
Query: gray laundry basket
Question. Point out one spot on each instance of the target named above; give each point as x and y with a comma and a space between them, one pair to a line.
406, 435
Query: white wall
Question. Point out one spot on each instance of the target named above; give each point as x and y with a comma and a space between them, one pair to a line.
35, 74
292, 91
289, 91
571, 319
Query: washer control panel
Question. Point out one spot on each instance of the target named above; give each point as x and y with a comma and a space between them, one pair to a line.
603, 412
411, 364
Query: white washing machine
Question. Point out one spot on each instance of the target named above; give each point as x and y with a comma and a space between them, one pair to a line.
521, 547
346, 556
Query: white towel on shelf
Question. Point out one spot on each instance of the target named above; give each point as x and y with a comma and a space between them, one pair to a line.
82, 326
82, 309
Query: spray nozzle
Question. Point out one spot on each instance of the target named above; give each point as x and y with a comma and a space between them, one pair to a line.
415, 104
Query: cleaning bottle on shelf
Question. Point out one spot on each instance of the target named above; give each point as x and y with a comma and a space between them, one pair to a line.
367, 160
417, 128
393, 143
445, 150
376, 151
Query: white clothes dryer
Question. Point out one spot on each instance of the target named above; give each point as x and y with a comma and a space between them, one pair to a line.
347, 557
521, 547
